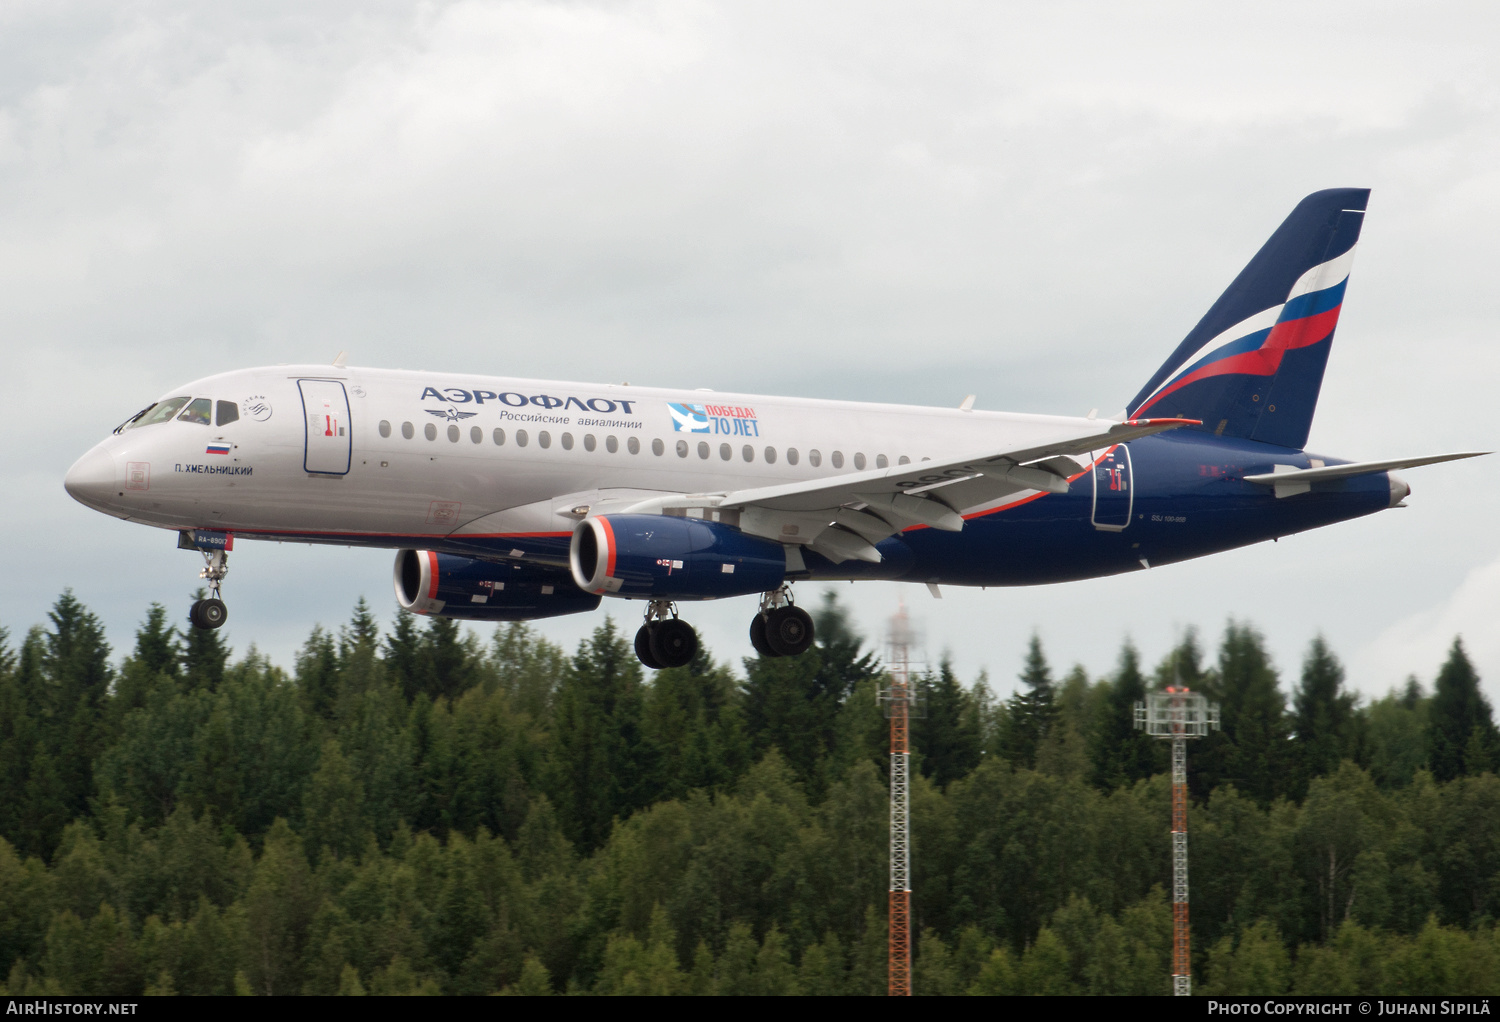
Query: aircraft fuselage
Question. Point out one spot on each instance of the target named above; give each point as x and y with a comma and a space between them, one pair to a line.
502, 468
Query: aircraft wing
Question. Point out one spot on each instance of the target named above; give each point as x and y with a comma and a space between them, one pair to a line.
843, 516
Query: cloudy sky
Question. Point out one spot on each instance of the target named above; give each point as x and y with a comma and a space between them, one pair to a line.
1031, 202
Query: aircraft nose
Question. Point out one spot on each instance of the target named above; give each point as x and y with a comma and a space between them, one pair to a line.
92, 479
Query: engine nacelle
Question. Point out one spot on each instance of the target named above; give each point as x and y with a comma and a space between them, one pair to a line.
446, 585
670, 557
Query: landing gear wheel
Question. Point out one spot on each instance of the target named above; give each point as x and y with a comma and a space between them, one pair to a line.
758, 636
673, 643
789, 631
212, 613
643, 648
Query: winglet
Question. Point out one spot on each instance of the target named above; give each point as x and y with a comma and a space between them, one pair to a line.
340, 359
967, 405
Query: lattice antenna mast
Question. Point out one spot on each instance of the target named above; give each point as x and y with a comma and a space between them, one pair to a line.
1177, 715
898, 702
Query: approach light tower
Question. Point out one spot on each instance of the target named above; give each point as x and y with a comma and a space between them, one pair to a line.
1177, 715
898, 703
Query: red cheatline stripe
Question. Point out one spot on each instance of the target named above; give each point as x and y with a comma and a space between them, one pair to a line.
1265, 360
609, 543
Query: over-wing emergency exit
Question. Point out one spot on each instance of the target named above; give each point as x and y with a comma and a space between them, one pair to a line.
512, 499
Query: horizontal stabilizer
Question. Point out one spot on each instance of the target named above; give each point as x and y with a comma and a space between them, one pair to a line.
1358, 468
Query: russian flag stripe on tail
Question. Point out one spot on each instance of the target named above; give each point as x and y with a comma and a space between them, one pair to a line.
1253, 365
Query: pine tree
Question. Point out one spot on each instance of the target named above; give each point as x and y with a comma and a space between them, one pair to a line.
157, 660
1395, 730
1252, 752
1322, 716
946, 732
77, 677
403, 654
1030, 713
596, 728
1459, 722
793, 703
204, 657
446, 668
317, 672
156, 646
1123, 754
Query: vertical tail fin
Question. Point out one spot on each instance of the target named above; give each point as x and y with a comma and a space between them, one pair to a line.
1253, 365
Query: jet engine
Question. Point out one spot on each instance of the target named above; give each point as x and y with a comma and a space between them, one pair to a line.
446, 585
669, 557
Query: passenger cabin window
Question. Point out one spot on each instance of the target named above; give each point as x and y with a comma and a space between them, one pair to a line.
406, 430
521, 438
682, 448
199, 410
611, 444
703, 448
567, 441
633, 445
589, 443
160, 412
227, 412
657, 447
748, 453
770, 455
791, 455
881, 461
499, 438
476, 434
453, 434
429, 431
838, 459
544, 438
814, 458
385, 427
903, 460
859, 461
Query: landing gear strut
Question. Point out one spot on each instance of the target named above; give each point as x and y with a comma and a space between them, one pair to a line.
665, 640
211, 613
779, 628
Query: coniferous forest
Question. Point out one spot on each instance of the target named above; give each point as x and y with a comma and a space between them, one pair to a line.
437, 811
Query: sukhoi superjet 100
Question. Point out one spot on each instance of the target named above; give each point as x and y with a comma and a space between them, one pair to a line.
509, 499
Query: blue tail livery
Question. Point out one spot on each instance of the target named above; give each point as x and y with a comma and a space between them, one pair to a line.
1253, 365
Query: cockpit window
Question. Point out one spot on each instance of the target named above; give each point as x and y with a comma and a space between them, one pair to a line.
160, 412
199, 411
228, 412
122, 427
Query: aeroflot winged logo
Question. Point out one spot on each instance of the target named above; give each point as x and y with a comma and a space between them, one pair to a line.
451, 414
459, 396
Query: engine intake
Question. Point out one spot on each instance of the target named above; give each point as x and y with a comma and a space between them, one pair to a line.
445, 585
666, 556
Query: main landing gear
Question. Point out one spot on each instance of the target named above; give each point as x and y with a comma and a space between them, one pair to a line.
211, 613
665, 640
779, 628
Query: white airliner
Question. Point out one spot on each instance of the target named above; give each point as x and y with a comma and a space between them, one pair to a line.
513, 498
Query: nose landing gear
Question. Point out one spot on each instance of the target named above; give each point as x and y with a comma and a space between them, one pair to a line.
779, 628
211, 613
665, 640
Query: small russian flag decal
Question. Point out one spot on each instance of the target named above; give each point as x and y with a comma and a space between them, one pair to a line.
217, 448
